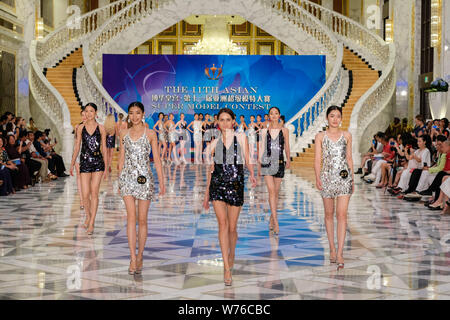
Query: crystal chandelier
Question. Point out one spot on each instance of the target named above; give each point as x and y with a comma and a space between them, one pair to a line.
216, 40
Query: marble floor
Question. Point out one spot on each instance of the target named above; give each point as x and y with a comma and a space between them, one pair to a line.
394, 249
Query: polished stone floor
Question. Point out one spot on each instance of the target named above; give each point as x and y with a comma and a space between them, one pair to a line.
394, 249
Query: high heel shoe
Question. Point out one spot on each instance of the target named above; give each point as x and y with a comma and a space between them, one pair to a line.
90, 231
340, 265
228, 281
270, 223
131, 271
139, 265
276, 230
434, 208
333, 260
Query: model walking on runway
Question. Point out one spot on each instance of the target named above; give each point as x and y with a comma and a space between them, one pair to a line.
253, 131
173, 138
274, 143
197, 134
161, 135
136, 179
225, 185
185, 141
93, 162
335, 178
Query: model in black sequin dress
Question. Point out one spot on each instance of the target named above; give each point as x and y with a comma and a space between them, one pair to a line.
273, 159
227, 180
91, 158
111, 141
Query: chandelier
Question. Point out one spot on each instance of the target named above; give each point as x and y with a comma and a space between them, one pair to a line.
216, 40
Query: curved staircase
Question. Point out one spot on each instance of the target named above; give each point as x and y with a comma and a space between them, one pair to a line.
63, 77
117, 25
363, 77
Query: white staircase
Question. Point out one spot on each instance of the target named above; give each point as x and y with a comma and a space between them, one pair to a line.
123, 25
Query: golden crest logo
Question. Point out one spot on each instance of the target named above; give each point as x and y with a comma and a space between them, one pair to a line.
213, 73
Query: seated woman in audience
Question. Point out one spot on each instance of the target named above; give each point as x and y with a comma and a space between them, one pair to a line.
31, 127
5, 166
445, 193
48, 147
375, 148
24, 150
420, 128
44, 173
23, 180
430, 173
436, 184
416, 160
38, 137
442, 202
387, 154
443, 127
387, 166
394, 171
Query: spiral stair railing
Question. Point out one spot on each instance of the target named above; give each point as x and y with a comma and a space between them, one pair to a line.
380, 54
101, 26
291, 11
47, 52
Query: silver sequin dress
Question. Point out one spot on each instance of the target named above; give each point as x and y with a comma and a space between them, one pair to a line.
335, 175
137, 163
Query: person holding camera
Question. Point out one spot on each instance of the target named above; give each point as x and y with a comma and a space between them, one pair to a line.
416, 160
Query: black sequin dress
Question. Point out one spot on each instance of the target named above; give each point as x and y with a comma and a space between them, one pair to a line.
91, 158
111, 141
227, 180
272, 163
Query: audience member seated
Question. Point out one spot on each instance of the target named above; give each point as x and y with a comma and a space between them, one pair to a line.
44, 174
24, 150
387, 155
429, 174
22, 180
5, 166
436, 184
48, 148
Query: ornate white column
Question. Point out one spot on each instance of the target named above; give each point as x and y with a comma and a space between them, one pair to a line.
26, 11
401, 14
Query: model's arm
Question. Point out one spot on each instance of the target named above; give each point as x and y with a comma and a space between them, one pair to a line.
151, 135
121, 150
287, 147
76, 148
244, 146
208, 177
156, 125
189, 127
318, 159
349, 157
103, 150
262, 139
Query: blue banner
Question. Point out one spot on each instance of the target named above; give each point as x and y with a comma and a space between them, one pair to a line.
247, 84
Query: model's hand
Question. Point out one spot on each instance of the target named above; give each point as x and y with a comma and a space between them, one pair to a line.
106, 175
353, 186
319, 184
206, 202
253, 181
71, 171
288, 164
162, 190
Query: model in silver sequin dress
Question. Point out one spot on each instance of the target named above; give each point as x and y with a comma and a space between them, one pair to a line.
137, 163
335, 175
